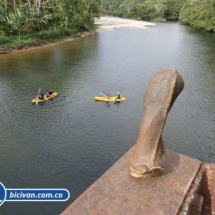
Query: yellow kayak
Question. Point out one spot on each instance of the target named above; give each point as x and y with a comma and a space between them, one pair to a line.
111, 99
33, 101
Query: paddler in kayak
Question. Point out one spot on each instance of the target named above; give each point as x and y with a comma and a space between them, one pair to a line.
118, 96
107, 95
41, 96
49, 93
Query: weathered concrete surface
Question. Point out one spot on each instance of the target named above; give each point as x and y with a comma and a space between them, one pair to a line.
148, 157
207, 189
193, 201
116, 192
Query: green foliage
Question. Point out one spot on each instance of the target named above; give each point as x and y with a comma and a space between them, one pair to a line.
49, 34
4, 40
55, 33
144, 9
49, 17
147, 11
173, 9
199, 14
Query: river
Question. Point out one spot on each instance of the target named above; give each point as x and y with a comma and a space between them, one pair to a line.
72, 140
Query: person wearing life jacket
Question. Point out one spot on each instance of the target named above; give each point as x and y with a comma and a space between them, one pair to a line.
49, 93
41, 96
107, 95
118, 95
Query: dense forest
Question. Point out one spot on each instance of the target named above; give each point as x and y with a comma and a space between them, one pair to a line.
199, 14
144, 9
25, 20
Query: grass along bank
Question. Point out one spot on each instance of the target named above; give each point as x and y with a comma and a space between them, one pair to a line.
42, 38
51, 37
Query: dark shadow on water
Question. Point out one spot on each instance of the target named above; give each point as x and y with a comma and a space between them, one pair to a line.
107, 104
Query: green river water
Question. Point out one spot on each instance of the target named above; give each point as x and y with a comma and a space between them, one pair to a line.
72, 140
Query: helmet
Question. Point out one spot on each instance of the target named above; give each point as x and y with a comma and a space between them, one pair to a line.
117, 92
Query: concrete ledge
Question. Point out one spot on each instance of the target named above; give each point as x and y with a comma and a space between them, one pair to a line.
207, 189
116, 192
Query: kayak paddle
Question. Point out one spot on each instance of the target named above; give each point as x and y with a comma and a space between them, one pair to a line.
38, 95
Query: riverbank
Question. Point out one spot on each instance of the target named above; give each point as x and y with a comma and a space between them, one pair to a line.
103, 23
111, 23
40, 43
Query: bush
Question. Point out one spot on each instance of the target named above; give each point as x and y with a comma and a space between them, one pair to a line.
49, 34
4, 40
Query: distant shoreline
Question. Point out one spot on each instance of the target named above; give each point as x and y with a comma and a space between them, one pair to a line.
104, 23
111, 23
63, 40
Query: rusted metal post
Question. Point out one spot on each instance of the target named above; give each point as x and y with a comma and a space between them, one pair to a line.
148, 156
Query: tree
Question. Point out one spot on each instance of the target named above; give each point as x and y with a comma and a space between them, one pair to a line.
28, 16
144, 9
200, 14
16, 23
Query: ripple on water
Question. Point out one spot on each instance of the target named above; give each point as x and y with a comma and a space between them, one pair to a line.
71, 140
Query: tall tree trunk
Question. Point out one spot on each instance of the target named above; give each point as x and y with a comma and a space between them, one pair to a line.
19, 36
14, 5
5, 5
29, 3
